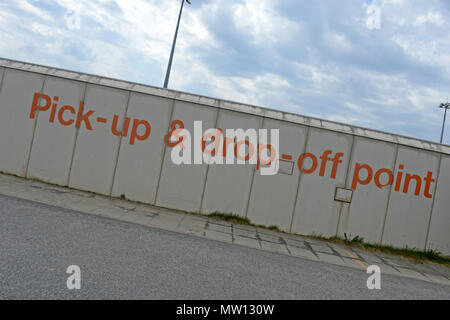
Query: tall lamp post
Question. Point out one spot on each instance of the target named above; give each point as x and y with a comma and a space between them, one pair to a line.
446, 106
169, 66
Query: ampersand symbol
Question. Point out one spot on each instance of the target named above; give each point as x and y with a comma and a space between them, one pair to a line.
176, 126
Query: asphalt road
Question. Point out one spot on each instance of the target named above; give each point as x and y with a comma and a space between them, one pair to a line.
119, 260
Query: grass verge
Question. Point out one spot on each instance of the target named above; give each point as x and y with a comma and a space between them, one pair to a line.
234, 218
419, 256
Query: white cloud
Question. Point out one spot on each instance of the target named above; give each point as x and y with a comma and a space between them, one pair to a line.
431, 17
28, 7
262, 22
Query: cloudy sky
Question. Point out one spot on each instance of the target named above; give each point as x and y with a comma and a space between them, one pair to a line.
323, 58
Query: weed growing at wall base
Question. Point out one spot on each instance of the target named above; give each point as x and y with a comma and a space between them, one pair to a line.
234, 218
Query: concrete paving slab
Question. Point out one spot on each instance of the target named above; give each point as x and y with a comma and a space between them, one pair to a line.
387, 269
108, 212
274, 247
269, 233
331, 259
122, 204
14, 189
433, 268
302, 253
193, 232
437, 278
363, 255
244, 228
294, 242
248, 242
341, 251
245, 233
398, 262
412, 273
269, 237
358, 253
322, 249
219, 227
42, 196
220, 236
166, 221
87, 205
8, 182
192, 225
137, 217
316, 241
83, 194
13, 178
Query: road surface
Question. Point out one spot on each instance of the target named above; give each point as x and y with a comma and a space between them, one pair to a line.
120, 260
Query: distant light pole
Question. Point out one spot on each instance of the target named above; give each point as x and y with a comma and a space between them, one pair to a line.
169, 66
446, 106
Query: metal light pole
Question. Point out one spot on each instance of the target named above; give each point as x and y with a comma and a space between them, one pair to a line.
169, 66
446, 106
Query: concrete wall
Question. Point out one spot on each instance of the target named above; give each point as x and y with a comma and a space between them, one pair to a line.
316, 211
365, 215
228, 186
53, 143
181, 186
96, 151
104, 153
139, 165
438, 231
273, 198
408, 215
16, 129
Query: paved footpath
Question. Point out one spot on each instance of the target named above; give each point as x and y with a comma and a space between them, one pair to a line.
130, 250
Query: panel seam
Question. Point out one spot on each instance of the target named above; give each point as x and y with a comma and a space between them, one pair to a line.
77, 133
434, 200
389, 196
30, 149
163, 158
350, 160
300, 175
262, 122
120, 144
207, 165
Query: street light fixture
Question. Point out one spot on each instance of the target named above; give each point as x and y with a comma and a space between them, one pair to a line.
169, 66
446, 106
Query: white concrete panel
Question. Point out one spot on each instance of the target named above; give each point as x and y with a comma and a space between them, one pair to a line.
181, 186
139, 165
16, 127
52, 150
365, 215
228, 185
439, 234
272, 198
2, 70
96, 150
316, 210
408, 215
